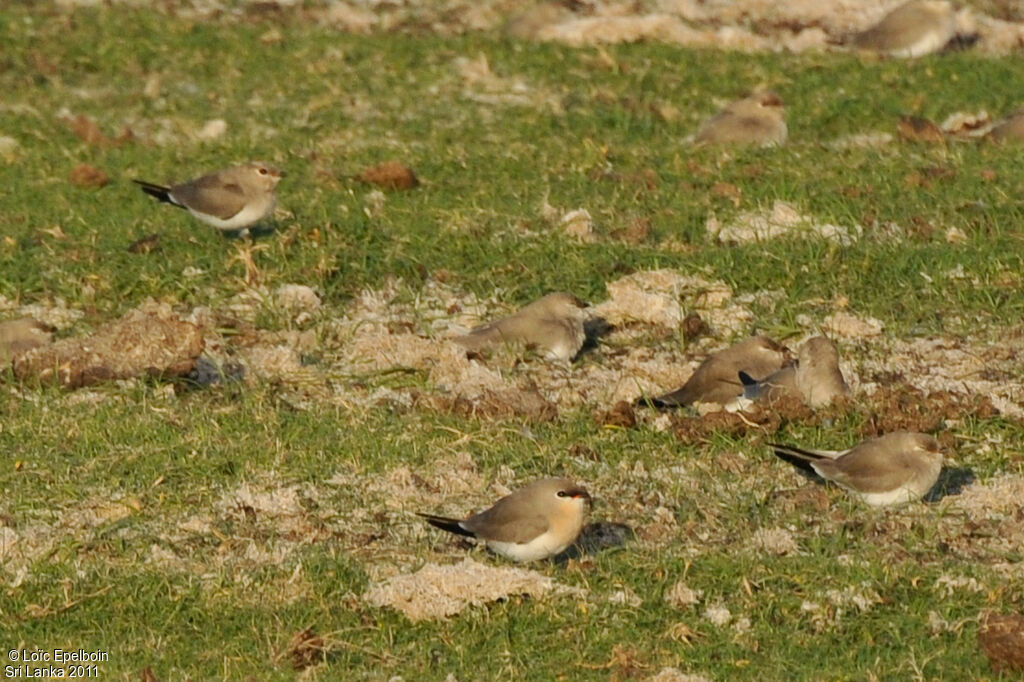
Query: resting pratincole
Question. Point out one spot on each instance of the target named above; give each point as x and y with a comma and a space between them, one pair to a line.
815, 378
553, 324
536, 522
717, 378
892, 469
759, 119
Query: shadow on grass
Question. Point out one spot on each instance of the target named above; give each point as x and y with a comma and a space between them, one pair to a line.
594, 329
597, 537
952, 481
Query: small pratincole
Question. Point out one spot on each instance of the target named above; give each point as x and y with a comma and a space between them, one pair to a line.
537, 522
236, 198
913, 29
759, 119
553, 324
896, 468
717, 378
815, 378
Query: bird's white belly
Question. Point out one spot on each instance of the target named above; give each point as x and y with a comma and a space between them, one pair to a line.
932, 41
254, 212
541, 547
901, 495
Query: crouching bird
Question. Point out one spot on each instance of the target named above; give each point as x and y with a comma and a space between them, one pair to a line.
537, 522
896, 468
717, 378
552, 324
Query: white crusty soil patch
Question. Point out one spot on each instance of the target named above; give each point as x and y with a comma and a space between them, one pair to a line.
778, 541
741, 25
997, 498
437, 591
966, 366
663, 298
783, 220
842, 323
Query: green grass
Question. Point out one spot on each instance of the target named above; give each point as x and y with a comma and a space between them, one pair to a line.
326, 105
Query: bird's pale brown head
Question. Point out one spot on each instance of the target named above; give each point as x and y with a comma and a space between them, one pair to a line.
565, 492
928, 443
560, 304
818, 351
567, 300
266, 174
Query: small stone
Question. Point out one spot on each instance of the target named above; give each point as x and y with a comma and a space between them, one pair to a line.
212, 130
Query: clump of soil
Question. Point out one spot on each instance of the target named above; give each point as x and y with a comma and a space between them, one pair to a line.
148, 341
905, 408
390, 175
1002, 639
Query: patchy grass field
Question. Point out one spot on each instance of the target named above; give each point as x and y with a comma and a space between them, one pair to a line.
198, 528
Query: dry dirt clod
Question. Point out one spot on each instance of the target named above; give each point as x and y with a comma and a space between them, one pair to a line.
306, 649
917, 129
1001, 637
621, 415
146, 244
150, 340
694, 327
87, 176
90, 132
390, 175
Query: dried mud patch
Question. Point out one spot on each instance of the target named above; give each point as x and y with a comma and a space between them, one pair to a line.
437, 592
905, 408
665, 299
986, 523
897, 408
148, 341
742, 25
504, 404
28, 538
782, 221
965, 366
251, 528
390, 332
1001, 637
699, 429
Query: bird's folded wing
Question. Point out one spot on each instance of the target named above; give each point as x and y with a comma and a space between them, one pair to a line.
888, 34
498, 524
480, 337
212, 196
874, 469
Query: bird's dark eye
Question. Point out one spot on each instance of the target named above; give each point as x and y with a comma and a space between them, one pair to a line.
263, 171
562, 493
